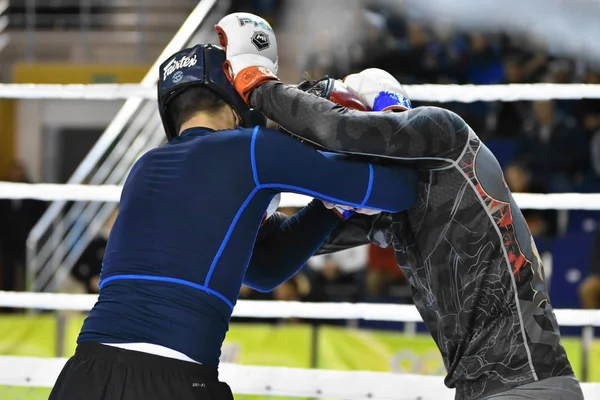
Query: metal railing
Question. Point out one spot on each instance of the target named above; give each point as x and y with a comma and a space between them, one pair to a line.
4, 37
60, 237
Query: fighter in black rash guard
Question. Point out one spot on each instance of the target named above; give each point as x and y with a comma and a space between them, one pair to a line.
182, 244
465, 248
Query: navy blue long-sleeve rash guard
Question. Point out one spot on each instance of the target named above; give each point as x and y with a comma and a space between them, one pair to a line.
188, 219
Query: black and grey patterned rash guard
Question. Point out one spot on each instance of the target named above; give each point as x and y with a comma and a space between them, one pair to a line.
476, 275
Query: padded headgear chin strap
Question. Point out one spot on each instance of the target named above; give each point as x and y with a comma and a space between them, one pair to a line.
201, 65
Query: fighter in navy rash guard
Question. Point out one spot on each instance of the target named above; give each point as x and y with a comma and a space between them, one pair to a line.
188, 219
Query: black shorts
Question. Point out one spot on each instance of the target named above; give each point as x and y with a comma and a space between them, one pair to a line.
99, 372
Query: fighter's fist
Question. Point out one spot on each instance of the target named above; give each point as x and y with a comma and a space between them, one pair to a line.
251, 48
381, 90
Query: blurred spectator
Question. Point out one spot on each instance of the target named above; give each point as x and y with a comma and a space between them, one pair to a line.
589, 115
18, 218
589, 289
412, 60
511, 115
519, 179
553, 148
484, 65
88, 267
338, 276
533, 67
382, 270
595, 153
560, 71
287, 291
294, 289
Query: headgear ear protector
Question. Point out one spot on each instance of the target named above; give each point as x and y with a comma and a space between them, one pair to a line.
200, 65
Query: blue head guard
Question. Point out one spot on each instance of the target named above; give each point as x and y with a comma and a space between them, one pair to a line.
200, 65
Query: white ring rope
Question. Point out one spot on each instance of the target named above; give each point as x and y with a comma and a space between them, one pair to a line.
277, 381
437, 93
112, 193
278, 309
100, 91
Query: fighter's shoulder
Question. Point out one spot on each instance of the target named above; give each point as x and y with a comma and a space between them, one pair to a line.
276, 138
438, 113
258, 137
443, 117
227, 137
245, 133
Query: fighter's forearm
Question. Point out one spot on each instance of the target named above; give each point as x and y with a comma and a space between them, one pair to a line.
348, 234
357, 231
285, 244
345, 236
424, 132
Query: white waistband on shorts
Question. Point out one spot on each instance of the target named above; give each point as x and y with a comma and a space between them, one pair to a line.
153, 349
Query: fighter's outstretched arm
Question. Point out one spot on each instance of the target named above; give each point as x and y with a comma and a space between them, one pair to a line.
284, 245
421, 133
282, 164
